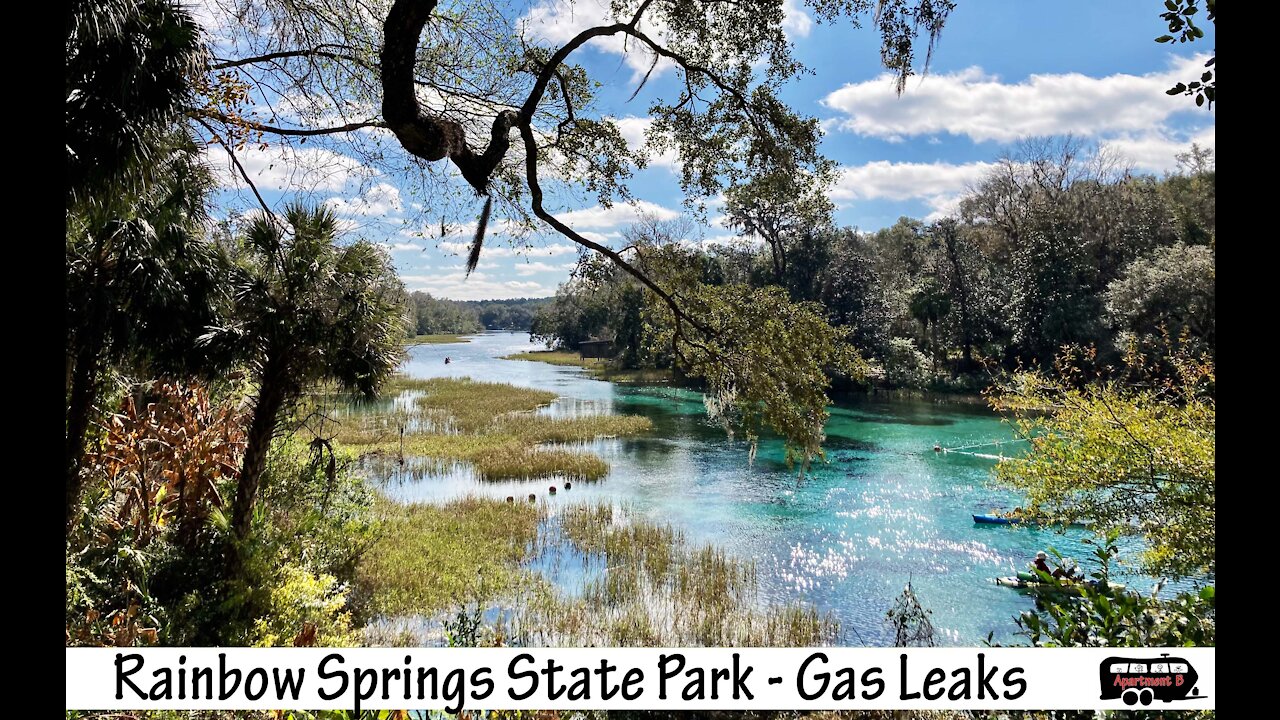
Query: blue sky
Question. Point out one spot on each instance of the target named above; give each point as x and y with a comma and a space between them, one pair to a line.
1001, 71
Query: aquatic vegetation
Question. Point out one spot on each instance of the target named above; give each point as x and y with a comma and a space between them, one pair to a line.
486, 424
602, 369
543, 428
429, 558
643, 584
530, 463
554, 357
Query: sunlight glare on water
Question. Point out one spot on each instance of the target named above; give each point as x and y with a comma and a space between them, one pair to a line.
883, 511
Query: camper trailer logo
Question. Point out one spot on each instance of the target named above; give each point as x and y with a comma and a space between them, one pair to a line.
1141, 680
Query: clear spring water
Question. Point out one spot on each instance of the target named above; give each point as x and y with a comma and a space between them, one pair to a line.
884, 510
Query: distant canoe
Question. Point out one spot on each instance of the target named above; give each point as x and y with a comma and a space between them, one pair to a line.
1000, 520
995, 520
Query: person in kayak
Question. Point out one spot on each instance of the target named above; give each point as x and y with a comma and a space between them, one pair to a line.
1042, 564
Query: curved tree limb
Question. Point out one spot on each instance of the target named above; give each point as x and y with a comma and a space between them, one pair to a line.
293, 132
318, 51
430, 138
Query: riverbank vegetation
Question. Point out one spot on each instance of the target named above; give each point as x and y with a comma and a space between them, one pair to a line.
431, 315
438, 339
599, 368
488, 425
1057, 246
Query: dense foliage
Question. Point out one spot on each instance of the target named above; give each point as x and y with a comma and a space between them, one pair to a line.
433, 316
1135, 458
1055, 248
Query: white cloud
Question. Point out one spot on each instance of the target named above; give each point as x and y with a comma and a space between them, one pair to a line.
980, 106
380, 200
479, 286
939, 185
555, 22
533, 268
633, 130
795, 21
1157, 152
281, 167
405, 247
492, 250
620, 215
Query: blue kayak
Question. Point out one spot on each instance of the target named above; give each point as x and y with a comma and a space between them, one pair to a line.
1000, 520
995, 520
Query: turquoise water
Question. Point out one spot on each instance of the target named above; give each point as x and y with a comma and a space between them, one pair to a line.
886, 509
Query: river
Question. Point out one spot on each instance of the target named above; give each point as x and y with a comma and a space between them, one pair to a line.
883, 511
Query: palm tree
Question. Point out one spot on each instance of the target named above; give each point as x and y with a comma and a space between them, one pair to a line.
141, 283
307, 309
129, 71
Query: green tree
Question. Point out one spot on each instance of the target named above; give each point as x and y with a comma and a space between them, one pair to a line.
854, 293
489, 111
1135, 460
129, 71
143, 285
929, 304
307, 309
782, 208
141, 282
1171, 292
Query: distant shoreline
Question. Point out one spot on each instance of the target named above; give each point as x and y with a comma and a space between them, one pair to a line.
440, 339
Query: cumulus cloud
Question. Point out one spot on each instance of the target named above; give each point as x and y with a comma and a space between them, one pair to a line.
983, 108
938, 184
795, 21
633, 130
497, 251
1157, 152
480, 286
533, 268
555, 22
620, 215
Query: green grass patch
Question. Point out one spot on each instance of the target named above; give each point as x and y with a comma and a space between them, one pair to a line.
527, 463
473, 405
441, 339
542, 428
489, 425
554, 357
600, 369
431, 558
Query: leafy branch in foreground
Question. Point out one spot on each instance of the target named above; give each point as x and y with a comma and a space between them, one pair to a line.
767, 360
1136, 460
1102, 618
1180, 16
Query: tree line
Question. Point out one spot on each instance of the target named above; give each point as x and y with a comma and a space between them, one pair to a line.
1055, 247
432, 315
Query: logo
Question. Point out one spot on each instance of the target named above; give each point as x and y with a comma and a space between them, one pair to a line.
1141, 680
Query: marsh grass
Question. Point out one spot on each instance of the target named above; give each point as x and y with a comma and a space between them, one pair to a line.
554, 357
602, 369
531, 463
429, 558
544, 429
646, 585
489, 425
